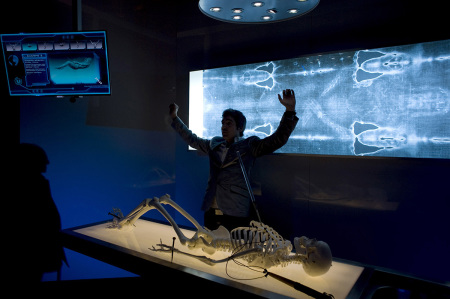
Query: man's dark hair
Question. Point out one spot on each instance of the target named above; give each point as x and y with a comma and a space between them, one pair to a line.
238, 117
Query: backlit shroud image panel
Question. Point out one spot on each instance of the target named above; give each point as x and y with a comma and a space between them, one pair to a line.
391, 102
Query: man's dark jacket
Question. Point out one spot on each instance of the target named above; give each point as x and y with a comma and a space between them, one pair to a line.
226, 181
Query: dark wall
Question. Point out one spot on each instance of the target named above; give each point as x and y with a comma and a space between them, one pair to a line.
142, 50
15, 19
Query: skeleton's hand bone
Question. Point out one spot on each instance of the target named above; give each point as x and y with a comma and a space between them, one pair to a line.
163, 248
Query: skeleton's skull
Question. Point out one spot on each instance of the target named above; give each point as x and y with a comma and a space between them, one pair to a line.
317, 255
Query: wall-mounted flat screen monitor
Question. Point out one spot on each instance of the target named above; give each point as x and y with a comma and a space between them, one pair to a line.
56, 64
389, 102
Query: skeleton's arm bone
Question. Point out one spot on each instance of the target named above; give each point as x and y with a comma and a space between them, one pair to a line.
166, 248
207, 260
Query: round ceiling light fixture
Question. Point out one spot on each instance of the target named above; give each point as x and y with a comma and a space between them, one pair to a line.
251, 11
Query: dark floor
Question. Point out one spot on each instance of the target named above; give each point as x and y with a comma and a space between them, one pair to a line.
135, 287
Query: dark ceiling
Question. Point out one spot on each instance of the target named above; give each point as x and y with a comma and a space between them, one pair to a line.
393, 16
333, 25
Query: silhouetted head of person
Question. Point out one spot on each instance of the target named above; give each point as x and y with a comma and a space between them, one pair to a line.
239, 120
32, 158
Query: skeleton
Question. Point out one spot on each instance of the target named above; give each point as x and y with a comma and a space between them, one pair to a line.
259, 245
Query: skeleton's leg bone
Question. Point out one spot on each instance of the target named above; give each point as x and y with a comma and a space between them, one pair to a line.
201, 231
157, 205
205, 239
149, 204
168, 201
201, 239
134, 215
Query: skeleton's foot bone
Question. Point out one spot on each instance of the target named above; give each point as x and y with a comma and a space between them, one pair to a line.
118, 221
117, 216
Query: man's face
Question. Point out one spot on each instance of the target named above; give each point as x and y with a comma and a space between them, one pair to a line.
229, 129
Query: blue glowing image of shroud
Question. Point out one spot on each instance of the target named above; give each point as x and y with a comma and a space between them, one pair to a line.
389, 102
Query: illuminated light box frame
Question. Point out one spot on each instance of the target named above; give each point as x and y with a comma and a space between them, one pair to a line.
385, 102
56, 64
340, 280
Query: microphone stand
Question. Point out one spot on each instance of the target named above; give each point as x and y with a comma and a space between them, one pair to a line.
249, 188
